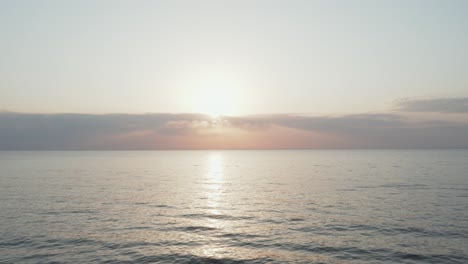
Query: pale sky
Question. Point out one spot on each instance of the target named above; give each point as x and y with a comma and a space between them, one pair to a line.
233, 74
231, 57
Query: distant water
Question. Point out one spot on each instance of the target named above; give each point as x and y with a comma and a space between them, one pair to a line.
234, 207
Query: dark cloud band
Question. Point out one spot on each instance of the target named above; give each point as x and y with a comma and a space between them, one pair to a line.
19, 131
441, 105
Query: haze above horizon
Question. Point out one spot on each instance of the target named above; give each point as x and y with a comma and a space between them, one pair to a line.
235, 74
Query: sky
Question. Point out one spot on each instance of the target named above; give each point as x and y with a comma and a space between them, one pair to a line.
233, 74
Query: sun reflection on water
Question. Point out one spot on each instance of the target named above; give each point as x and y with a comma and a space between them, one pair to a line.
214, 203
214, 182
215, 167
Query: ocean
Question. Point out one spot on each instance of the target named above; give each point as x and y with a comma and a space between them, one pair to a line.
285, 206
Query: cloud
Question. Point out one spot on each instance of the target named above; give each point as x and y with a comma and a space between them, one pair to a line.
441, 105
84, 131
378, 130
20, 131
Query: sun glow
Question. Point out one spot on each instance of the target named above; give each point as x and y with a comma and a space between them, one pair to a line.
216, 104
216, 95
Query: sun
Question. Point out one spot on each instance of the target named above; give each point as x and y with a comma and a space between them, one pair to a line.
216, 92
216, 104
215, 101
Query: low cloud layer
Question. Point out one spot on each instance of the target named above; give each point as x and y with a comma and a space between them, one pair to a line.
441, 105
19, 131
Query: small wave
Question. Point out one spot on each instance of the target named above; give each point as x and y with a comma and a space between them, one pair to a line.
428, 258
355, 253
239, 236
297, 219
162, 206
195, 228
38, 256
404, 186
84, 211
390, 231
216, 216
189, 258
16, 242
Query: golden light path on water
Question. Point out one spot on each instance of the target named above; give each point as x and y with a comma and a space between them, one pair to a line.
214, 179
220, 208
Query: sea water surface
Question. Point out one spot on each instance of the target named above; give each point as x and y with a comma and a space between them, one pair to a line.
367, 206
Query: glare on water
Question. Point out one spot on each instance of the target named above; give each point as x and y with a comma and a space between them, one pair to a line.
234, 206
